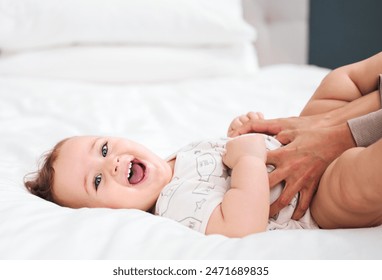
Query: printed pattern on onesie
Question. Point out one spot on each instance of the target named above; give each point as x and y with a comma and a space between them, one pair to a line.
200, 181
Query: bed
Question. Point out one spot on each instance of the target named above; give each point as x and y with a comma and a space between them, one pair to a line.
163, 73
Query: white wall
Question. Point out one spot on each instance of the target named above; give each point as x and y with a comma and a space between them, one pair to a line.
282, 29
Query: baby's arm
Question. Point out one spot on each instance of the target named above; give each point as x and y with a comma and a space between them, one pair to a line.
245, 206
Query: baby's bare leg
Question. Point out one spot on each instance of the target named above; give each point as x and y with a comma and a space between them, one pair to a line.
350, 191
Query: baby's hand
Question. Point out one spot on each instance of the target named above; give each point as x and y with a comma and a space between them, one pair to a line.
240, 120
245, 145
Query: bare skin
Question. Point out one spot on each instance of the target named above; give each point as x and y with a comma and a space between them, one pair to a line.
245, 206
119, 173
349, 193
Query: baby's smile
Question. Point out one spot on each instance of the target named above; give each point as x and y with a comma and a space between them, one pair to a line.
136, 172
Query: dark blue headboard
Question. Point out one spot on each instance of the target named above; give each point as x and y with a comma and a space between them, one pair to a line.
344, 31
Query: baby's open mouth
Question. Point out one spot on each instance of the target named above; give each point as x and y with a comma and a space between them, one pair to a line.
136, 172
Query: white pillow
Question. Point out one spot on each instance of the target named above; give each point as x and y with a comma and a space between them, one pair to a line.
132, 64
41, 23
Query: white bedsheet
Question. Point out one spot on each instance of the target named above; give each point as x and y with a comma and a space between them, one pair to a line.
36, 112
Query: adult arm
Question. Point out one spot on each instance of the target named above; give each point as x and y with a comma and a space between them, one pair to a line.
322, 131
367, 129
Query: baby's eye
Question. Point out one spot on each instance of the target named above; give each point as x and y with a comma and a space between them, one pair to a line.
104, 149
97, 181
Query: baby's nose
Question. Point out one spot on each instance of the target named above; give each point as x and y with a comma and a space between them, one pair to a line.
114, 166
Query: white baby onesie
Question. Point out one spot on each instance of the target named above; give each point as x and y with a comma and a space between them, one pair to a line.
200, 181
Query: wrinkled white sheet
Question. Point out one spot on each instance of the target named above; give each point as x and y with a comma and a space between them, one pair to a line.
35, 113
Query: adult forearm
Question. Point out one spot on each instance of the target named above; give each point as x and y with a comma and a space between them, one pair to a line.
367, 129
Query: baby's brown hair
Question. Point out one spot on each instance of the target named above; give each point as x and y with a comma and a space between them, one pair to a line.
41, 184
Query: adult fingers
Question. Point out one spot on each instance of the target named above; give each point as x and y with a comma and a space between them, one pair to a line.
306, 194
259, 126
277, 176
286, 136
279, 204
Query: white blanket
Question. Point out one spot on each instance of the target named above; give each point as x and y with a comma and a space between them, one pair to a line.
35, 113
163, 83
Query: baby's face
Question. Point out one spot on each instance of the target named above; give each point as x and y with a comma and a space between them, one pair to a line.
108, 172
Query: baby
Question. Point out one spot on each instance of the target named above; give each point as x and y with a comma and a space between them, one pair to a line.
214, 186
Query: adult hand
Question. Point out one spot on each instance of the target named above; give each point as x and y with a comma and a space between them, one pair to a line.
310, 148
255, 122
